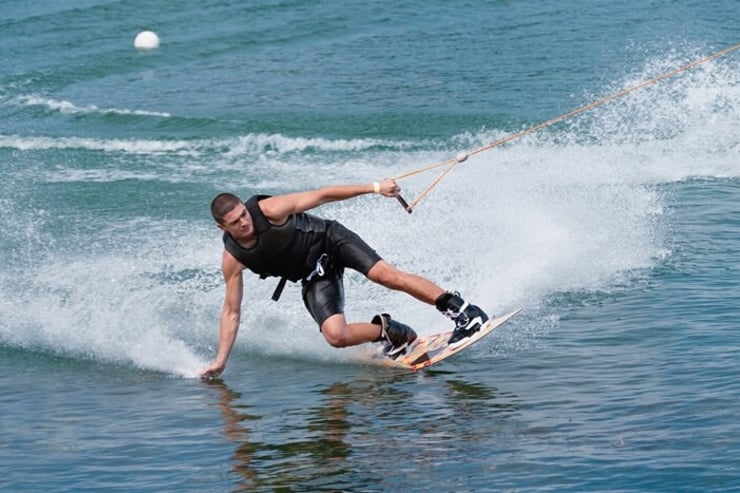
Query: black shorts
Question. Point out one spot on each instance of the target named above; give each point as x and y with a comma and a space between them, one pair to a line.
324, 295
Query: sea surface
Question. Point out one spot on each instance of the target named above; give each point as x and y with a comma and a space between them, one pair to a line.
616, 230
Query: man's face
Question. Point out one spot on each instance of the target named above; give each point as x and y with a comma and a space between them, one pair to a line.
238, 223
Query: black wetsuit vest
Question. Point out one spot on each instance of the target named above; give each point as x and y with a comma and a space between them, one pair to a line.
289, 250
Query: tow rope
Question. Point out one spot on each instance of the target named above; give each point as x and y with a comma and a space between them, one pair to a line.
463, 156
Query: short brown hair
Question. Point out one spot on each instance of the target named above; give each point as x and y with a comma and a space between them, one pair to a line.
222, 204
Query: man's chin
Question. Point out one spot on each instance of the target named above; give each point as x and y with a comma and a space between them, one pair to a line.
243, 235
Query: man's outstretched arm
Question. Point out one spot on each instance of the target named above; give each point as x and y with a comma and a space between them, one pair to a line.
230, 315
279, 207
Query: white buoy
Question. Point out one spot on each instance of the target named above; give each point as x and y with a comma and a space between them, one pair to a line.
146, 40
461, 157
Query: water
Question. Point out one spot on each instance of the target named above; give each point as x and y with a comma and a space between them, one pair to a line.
616, 231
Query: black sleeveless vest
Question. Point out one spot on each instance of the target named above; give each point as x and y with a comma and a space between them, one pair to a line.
289, 250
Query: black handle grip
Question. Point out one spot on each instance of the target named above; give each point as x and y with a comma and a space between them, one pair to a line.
404, 204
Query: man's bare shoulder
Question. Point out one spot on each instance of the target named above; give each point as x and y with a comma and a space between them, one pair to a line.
277, 208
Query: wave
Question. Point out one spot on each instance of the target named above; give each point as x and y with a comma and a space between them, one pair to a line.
68, 107
132, 146
247, 145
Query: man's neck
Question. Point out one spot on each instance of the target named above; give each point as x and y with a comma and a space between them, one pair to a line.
246, 242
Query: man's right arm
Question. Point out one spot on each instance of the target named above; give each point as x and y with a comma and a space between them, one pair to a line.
279, 207
230, 314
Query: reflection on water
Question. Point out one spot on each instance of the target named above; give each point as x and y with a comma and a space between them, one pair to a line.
348, 435
235, 415
314, 459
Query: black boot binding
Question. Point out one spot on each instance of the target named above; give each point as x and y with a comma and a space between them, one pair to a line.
468, 318
397, 336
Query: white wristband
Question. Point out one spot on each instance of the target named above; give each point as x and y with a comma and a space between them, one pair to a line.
376, 187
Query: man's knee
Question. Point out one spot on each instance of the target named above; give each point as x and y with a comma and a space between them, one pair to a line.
334, 330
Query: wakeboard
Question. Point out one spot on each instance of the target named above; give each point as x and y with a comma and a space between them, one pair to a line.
426, 351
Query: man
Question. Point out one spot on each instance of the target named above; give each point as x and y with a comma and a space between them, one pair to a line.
274, 236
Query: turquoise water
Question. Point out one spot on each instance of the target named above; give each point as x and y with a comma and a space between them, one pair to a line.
616, 231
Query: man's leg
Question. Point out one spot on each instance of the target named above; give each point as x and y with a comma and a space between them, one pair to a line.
419, 287
324, 299
468, 318
339, 333
353, 252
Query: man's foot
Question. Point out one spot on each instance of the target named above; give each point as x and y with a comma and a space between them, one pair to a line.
395, 335
468, 318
